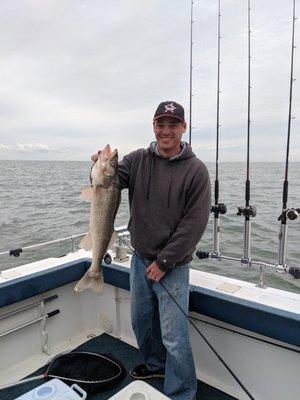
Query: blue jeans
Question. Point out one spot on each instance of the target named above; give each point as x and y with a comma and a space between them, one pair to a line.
161, 329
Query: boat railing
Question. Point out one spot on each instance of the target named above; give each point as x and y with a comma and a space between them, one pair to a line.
121, 254
15, 252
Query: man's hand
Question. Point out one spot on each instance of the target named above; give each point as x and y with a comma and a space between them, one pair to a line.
154, 272
94, 157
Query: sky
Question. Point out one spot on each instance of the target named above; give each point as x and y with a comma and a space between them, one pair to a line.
76, 75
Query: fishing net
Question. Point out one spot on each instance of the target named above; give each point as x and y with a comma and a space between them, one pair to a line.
91, 371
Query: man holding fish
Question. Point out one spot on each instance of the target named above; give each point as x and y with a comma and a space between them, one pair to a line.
170, 202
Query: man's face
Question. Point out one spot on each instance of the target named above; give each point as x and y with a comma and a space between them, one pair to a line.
168, 132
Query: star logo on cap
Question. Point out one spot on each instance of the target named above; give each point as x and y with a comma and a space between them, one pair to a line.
170, 108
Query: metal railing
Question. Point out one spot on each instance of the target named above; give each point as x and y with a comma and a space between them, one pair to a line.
122, 231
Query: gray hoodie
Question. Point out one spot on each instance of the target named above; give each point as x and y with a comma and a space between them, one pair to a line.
169, 200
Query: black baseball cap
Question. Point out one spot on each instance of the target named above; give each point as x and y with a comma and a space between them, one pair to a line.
169, 109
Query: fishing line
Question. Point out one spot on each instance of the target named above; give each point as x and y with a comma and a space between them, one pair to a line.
197, 329
218, 110
247, 193
290, 106
248, 211
191, 75
217, 208
283, 216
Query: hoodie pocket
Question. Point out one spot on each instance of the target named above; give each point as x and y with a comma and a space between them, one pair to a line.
147, 238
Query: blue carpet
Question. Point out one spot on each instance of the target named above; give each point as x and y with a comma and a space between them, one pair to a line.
129, 357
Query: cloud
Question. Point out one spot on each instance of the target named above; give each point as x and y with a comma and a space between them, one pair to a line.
5, 147
77, 75
32, 147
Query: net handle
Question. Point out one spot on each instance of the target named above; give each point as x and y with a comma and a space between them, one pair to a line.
33, 378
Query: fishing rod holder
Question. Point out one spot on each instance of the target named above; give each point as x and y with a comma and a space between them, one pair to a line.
261, 283
120, 250
217, 209
246, 261
249, 211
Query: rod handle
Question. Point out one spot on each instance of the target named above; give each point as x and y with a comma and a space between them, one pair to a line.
52, 313
50, 298
33, 378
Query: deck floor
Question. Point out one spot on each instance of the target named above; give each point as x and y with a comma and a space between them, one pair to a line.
129, 357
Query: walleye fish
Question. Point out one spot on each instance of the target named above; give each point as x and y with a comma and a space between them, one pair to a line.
104, 195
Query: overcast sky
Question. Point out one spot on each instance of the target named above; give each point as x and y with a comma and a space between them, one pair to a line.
75, 75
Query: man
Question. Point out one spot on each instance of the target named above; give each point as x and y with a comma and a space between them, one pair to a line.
170, 201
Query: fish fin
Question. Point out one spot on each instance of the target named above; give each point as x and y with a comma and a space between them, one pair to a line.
86, 194
90, 280
113, 239
86, 242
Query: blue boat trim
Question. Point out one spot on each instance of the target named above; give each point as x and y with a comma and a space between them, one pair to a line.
255, 317
265, 320
24, 287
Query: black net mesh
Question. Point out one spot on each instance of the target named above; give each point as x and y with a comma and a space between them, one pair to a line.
91, 371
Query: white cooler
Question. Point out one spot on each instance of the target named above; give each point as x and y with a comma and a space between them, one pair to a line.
54, 390
139, 390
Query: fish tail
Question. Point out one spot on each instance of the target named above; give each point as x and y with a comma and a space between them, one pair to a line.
90, 280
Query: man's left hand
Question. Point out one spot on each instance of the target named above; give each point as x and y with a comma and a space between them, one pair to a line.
154, 272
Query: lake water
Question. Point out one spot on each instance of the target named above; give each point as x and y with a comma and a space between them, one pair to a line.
39, 202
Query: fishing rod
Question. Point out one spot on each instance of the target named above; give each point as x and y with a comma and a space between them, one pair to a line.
217, 208
291, 213
196, 328
191, 73
247, 211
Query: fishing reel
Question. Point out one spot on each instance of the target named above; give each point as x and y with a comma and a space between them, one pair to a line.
15, 252
107, 259
295, 272
250, 211
219, 209
202, 254
292, 214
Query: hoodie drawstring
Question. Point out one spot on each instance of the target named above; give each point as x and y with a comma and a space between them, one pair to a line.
149, 176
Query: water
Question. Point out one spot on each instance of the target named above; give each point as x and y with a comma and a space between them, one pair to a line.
39, 201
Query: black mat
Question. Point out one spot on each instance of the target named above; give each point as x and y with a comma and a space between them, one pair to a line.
129, 357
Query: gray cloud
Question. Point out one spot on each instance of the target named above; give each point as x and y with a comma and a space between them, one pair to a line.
78, 74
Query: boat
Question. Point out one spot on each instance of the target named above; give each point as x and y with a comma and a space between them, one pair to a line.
256, 330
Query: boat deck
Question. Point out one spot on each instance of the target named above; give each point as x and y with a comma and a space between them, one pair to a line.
129, 357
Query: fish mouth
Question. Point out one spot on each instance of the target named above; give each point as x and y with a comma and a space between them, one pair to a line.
107, 154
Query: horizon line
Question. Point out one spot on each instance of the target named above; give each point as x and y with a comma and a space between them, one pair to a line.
233, 161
